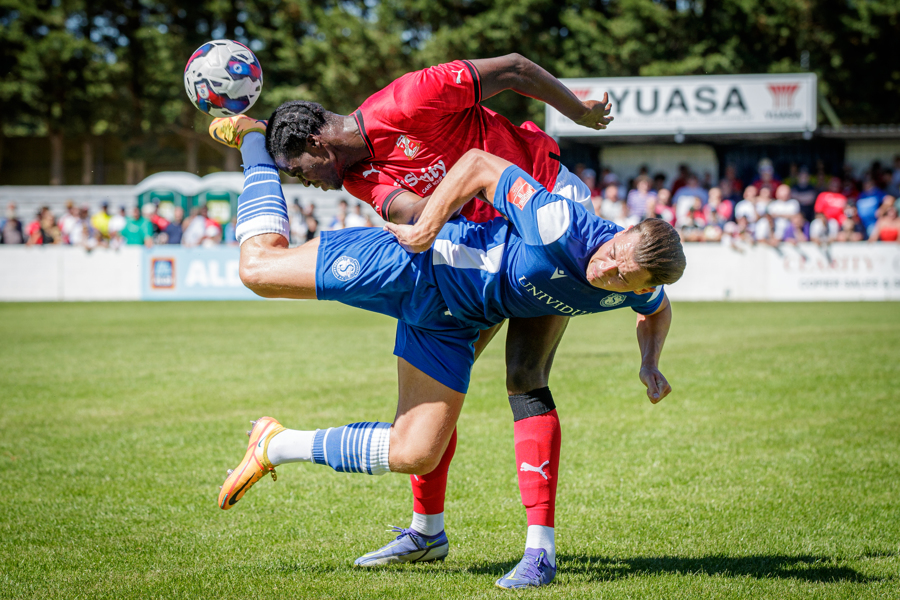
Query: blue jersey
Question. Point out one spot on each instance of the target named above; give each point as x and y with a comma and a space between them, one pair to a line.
530, 264
475, 275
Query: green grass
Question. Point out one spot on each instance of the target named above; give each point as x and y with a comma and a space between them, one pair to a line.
773, 471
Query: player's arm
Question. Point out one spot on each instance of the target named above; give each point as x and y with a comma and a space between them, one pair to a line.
517, 73
477, 172
405, 208
651, 334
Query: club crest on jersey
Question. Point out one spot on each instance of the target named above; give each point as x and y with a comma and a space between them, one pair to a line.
612, 300
410, 148
520, 193
345, 268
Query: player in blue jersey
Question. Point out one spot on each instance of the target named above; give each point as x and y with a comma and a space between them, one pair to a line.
444, 280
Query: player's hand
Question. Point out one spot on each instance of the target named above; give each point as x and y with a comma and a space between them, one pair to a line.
657, 386
411, 237
597, 116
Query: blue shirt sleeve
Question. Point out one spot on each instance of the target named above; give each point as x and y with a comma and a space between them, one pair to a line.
653, 302
539, 217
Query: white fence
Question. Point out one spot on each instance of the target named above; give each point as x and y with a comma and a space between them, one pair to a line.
806, 272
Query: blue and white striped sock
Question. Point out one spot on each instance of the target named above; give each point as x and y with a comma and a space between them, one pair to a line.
354, 448
261, 206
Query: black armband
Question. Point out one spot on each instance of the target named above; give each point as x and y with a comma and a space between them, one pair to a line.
531, 404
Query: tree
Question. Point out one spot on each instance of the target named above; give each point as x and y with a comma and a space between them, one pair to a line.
55, 81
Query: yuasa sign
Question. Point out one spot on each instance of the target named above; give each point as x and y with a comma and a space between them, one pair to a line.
700, 104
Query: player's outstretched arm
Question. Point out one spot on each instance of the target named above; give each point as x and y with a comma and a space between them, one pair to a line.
651, 333
517, 73
476, 173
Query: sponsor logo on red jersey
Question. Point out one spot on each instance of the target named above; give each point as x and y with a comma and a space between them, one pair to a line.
520, 193
410, 148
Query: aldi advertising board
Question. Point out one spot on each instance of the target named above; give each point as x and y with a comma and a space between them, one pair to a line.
176, 273
700, 104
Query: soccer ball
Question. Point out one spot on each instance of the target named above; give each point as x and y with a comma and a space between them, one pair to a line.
223, 78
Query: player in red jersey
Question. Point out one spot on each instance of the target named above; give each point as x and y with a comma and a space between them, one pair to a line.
392, 152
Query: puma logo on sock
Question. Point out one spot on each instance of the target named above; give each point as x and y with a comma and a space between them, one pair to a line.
526, 467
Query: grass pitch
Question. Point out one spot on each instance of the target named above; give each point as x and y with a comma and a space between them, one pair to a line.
773, 471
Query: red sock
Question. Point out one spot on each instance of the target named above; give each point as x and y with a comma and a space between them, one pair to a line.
537, 458
429, 490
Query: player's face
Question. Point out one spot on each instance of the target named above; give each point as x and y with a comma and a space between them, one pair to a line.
316, 166
613, 268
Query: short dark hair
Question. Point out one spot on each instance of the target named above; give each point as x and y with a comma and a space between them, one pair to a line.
290, 126
659, 251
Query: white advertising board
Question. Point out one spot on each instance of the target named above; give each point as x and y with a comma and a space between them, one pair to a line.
697, 104
789, 273
806, 272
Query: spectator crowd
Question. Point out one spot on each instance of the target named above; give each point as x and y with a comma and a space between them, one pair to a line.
802, 206
145, 226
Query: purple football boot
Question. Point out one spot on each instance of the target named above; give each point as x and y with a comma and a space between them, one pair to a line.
409, 546
533, 570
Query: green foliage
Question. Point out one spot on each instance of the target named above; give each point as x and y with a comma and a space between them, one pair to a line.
116, 65
55, 80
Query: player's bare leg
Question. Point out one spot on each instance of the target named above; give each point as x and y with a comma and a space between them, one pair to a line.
427, 411
430, 490
273, 270
530, 348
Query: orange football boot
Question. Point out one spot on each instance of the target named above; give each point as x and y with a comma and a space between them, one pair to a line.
231, 130
254, 465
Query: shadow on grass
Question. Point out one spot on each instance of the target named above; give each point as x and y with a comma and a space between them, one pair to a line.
820, 569
817, 569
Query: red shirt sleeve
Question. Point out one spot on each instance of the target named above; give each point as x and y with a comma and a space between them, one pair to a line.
374, 189
420, 97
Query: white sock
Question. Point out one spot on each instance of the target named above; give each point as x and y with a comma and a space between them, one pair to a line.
428, 524
289, 446
542, 537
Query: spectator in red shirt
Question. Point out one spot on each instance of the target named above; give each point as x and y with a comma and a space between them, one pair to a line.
831, 203
887, 228
150, 210
44, 229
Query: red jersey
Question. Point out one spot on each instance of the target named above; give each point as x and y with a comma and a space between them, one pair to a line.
421, 124
832, 204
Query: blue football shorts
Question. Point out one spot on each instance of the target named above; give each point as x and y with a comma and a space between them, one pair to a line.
365, 267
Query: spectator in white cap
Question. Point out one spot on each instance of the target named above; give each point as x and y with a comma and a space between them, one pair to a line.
766, 176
